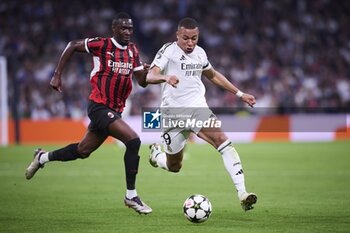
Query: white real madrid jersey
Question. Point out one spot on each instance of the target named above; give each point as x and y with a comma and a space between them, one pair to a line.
190, 91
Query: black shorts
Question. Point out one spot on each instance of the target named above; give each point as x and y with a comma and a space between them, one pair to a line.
101, 116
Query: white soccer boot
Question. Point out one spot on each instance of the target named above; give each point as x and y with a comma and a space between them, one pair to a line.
248, 200
155, 151
35, 164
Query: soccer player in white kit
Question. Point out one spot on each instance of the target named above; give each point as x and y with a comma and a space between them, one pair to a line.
179, 66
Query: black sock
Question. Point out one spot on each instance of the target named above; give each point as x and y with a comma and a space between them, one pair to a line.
67, 153
131, 162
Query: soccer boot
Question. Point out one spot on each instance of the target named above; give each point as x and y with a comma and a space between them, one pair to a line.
155, 151
138, 205
35, 164
248, 200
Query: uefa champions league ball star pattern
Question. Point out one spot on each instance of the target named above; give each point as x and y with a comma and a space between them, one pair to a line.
197, 208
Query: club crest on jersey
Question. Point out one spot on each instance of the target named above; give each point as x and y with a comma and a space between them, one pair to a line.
130, 53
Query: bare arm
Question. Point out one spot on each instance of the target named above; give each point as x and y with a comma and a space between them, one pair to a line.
140, 75
220, 80
73, 46
154, 76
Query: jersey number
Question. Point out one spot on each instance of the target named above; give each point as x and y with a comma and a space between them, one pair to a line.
167, 138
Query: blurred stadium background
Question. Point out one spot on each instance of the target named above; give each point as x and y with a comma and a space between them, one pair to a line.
292, 55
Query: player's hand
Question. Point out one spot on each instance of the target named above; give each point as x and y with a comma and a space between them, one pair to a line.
172, 80
55, 83
249, 99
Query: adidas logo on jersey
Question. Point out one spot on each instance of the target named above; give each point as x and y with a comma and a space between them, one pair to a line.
182, 58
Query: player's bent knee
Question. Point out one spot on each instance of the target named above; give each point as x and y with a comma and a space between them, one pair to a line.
221, 138
175, 167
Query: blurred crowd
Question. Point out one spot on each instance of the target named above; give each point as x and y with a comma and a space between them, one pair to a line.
290, 54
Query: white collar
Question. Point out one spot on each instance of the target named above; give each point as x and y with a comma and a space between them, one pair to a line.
119, 46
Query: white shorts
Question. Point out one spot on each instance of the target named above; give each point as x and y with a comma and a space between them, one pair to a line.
175, 138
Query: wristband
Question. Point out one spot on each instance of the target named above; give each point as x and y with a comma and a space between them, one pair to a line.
239, 94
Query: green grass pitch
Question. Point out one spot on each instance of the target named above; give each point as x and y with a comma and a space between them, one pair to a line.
301, 187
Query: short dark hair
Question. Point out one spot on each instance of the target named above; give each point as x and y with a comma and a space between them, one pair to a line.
121, 15
188, 23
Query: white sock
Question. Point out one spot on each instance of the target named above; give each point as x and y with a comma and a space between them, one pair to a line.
160, 158
161, 161
131, 193
44, 158
233, 165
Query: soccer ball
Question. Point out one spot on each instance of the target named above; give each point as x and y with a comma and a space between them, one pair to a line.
197, 208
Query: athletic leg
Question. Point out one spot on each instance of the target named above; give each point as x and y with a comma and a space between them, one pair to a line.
123, 132
171, 158
88, 144
232, 163
169, 162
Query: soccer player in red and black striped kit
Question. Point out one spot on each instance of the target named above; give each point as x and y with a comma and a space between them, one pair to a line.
115, 61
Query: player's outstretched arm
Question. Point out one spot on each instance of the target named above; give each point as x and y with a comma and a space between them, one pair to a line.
72, 46
220, 80
154, 76
140, 75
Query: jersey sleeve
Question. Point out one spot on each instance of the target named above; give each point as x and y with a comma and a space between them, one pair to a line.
162, 57
206, 63
137, 64
93, 45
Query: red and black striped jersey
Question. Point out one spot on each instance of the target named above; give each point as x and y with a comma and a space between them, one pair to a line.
113, 65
